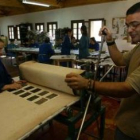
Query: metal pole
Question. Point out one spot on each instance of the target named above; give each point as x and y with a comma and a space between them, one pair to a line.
95, 76
106, 73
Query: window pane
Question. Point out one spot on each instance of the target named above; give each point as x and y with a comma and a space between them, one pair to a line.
79, 25
37, 27
95, 28
50, 33
75, 25
53, 31
79, 31
41, 27
50, 26
79, 36
54, 26
74, 31
75, 36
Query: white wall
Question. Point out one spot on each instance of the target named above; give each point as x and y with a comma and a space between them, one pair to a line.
65, 15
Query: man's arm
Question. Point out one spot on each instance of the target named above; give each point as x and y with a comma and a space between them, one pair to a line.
116, 55
113, 89
12, 86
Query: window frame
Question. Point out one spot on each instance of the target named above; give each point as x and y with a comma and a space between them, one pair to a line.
77, 22
30, 25
52, 23
11, 26
39, 24
99, 19
17, 26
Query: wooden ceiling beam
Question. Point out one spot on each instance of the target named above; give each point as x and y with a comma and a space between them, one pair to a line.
71, 3
15, 7
11, 3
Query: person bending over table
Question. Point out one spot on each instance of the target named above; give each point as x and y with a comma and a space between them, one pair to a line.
128, 115
45, 52
33, 44
11, 45
6, 82
93, 45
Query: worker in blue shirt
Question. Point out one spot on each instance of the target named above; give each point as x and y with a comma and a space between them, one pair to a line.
93, 44
11, 45
45, 52
6, 82
33, 44
67, 45
59, 43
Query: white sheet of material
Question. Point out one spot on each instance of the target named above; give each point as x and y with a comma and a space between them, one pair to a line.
47, 75
19, 116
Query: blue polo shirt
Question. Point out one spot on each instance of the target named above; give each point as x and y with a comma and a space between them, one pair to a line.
5, 78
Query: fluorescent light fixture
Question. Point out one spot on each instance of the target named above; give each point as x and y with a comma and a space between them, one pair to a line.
35, 3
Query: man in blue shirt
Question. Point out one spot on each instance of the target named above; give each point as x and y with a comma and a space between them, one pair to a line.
67, 45
93, 44
45, 52
6, 82
11, 45
33, 44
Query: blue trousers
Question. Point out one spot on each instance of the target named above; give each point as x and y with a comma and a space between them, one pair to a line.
119, 135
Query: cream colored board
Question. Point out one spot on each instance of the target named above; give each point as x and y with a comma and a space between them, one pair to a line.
63, 57
18, 116
47, 75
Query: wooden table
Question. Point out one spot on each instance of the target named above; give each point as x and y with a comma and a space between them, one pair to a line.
63, 58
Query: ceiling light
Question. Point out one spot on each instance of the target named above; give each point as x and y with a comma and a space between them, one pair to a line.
35, 3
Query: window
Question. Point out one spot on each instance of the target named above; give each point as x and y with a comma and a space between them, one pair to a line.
18, 32
39, 27
75, 26
30, 26
94, 28
51, 28
11, 32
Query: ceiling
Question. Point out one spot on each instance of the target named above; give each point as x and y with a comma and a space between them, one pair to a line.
16, 7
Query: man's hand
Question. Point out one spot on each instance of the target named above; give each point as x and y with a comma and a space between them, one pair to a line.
76, 81
20, 81
14, 85
108, 33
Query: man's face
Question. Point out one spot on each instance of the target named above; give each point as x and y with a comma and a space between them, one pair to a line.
133, 27
1, 47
